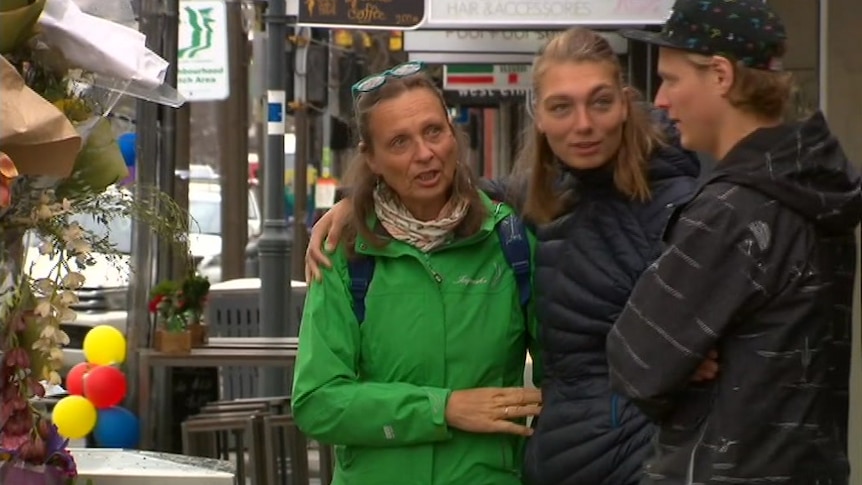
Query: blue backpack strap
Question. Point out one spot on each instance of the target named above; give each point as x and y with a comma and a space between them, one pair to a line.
516, 249
361, 270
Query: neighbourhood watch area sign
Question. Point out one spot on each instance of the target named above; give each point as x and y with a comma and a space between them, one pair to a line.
365, 14
202, 57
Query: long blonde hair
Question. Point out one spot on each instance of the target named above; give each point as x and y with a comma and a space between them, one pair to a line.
363, 181
537, 162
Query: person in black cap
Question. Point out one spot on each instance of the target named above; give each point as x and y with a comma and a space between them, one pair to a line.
758, 269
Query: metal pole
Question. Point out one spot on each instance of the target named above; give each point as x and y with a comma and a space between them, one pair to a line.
166, 253
303, 147
258, 93
275, 245
257, 89
181, 180
233, 131
331, 110
137, 330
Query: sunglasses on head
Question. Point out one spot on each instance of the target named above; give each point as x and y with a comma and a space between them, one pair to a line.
375, 81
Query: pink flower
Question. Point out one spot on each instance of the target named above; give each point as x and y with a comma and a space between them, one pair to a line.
10, 443
8, 172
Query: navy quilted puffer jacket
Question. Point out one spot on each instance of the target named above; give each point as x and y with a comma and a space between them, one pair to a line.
587, 263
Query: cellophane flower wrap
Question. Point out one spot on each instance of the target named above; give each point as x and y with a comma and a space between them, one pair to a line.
59, 160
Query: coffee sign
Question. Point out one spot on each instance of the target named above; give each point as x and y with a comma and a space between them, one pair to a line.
364, 14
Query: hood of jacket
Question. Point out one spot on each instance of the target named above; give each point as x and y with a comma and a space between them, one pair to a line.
802, 166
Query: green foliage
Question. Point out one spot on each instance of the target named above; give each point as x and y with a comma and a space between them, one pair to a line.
195, 289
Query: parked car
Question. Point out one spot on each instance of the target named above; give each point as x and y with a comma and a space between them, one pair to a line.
205, 233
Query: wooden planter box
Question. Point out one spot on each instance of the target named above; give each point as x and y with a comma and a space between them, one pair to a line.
173, 342
200, 334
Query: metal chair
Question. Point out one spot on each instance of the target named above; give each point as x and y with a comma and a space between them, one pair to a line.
327, 463
286, 446
283, 451
286, 452
246, 430
276, 404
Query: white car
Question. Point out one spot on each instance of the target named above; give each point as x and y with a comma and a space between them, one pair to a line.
205, 231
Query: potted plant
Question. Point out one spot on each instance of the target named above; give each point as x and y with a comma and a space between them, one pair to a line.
191, 299
172, 334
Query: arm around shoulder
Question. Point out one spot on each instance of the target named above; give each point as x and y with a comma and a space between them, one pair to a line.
330, 402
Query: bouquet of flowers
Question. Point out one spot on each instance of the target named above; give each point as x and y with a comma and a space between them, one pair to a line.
58, 158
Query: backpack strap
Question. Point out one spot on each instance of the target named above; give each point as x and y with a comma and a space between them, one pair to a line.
513, 241
516, 249
361, 270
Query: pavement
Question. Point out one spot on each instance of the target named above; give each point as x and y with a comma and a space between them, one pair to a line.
313, 461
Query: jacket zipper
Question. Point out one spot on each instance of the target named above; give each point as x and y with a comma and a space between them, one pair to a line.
434, 274
437, 277
689, 479
615, 419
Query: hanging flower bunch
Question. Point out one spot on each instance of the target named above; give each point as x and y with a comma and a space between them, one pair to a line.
31, 339
58, 159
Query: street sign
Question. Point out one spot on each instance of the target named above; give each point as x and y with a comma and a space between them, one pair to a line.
500, 41
481, 77
362, 14
470, 58
485, 14
202, 59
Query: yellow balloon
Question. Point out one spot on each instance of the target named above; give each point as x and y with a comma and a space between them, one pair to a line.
75, 417
105, 345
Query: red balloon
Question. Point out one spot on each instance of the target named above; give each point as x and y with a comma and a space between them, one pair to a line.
75, 378
105, 386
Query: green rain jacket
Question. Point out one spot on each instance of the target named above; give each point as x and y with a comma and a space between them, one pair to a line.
435, 323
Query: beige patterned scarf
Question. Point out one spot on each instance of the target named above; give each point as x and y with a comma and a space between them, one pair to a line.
423, 235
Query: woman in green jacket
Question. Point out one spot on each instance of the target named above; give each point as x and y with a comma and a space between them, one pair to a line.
412, 347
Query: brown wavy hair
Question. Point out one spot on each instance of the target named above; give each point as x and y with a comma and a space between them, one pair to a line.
765, 94
363, 181
641, 136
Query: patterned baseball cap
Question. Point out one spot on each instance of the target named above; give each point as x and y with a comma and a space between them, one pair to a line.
747, 31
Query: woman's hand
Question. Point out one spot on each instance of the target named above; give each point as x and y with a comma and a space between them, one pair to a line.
708, 369
325, 235
490, 409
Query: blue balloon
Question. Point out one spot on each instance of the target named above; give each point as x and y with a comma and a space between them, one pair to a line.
127, 142
117, 427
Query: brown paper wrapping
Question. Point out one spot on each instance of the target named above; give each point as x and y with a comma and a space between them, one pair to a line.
37, 135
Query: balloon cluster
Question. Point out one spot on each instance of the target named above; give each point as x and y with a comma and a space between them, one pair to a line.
96, 388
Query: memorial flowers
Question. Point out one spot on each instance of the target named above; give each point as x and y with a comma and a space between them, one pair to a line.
58, 158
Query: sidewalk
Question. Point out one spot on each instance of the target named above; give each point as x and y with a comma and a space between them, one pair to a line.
313, 461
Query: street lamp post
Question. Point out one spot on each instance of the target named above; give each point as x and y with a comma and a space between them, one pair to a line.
275, 243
